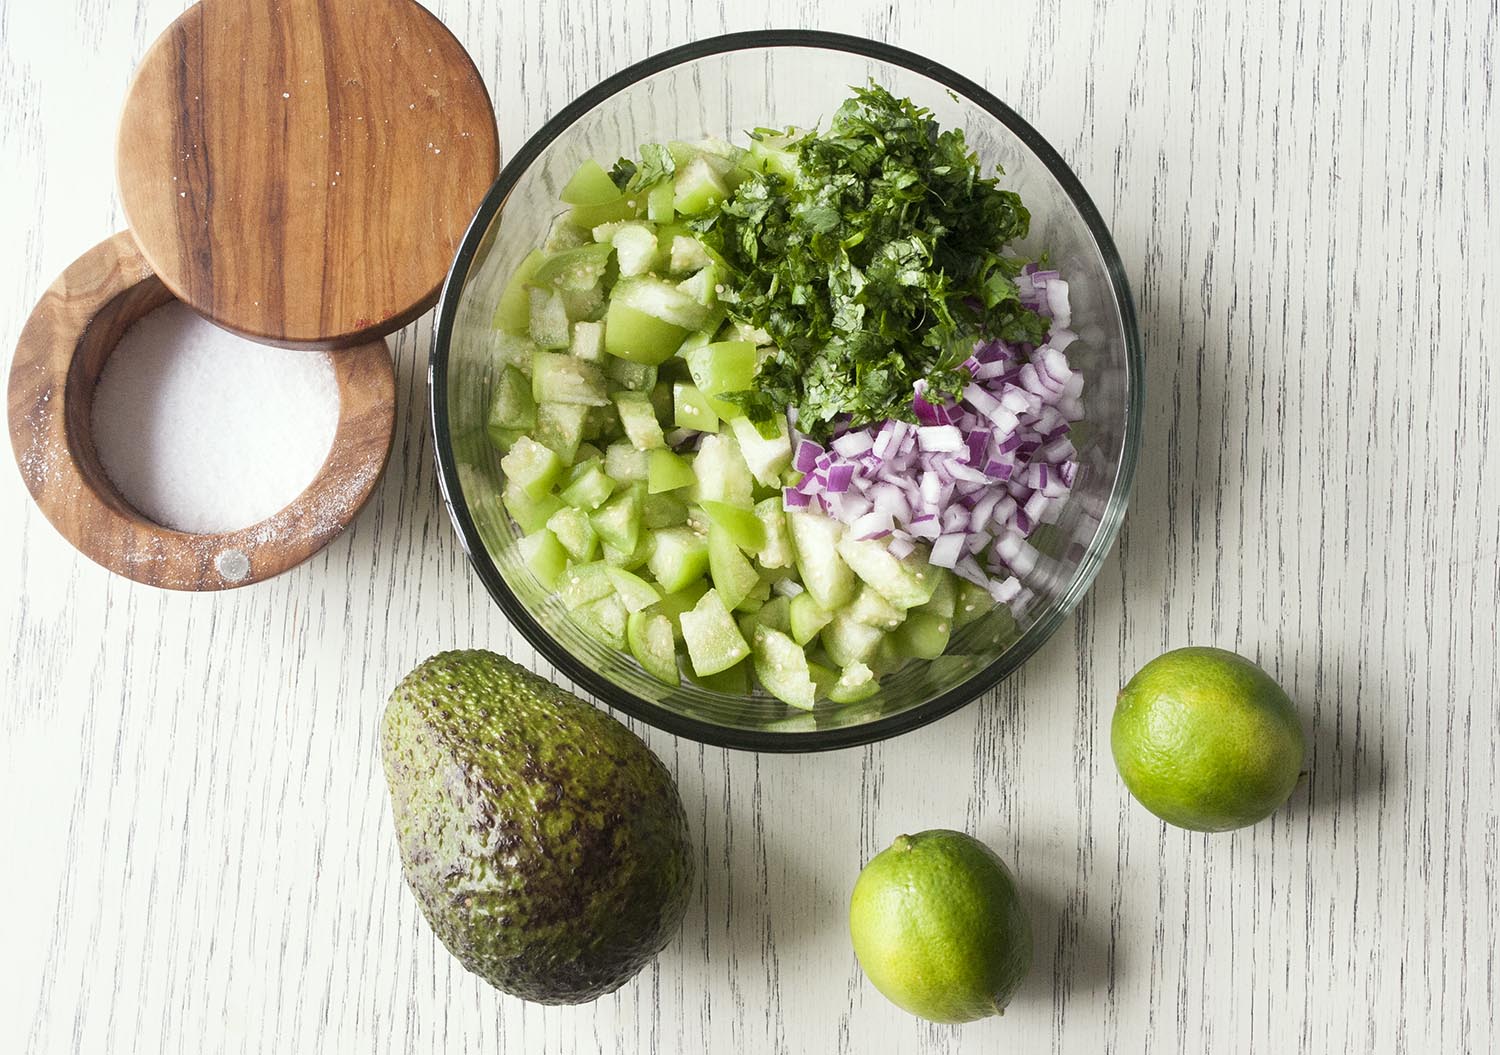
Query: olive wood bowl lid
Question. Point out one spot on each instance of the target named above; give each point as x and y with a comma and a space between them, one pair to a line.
301, 171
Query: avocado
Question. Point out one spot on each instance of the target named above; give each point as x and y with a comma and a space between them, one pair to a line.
545, 843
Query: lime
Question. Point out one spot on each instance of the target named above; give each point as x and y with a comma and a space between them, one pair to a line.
1206, 740
938, 927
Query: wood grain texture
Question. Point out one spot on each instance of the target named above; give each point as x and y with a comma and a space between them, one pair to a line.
67, 340
1305, 196
301, 171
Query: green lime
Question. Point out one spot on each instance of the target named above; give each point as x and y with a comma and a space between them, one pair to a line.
1206, 740
938, 927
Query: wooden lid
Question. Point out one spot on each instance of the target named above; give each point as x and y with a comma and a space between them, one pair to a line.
302, 171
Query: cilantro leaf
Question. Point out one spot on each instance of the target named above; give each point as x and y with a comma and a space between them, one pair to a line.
622, 172
656, 165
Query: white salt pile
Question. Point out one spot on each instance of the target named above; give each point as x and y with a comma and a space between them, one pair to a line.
204, 431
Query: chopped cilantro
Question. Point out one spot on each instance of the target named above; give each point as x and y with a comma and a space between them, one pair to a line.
623, 172
880, 264
656, 164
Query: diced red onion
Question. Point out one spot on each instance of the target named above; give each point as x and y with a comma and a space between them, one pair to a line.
806, 456
873, 524
1004, 590
840, 476
969, 569
1050, 423
853, 444
852, 507
966, 474
984, 511
1038, 384
1024, 562
1057, 302
1058, 451
928, 413
1008, 545
991, 351
979, 397
1054, 364
1004, 510
954, 518
887, 439
940, 438
1036, 505
979, 445
925, 527
930, 488
889, 498
946, 551
1017, 400
1060, 338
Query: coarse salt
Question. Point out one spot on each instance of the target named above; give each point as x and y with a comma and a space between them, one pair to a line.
204, 431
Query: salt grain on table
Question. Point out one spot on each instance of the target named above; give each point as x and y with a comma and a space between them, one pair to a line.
204, 431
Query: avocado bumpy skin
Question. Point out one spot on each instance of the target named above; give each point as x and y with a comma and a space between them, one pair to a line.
547, 846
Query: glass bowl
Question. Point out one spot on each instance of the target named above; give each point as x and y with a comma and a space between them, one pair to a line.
722, 87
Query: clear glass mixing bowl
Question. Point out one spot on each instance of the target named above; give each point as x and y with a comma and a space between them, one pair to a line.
722, 87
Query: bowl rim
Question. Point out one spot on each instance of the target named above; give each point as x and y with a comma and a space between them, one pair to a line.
616, 696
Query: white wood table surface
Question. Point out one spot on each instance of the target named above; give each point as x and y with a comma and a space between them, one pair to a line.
195, 845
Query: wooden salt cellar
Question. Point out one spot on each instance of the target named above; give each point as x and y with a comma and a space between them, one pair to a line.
299, 172
62, 350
